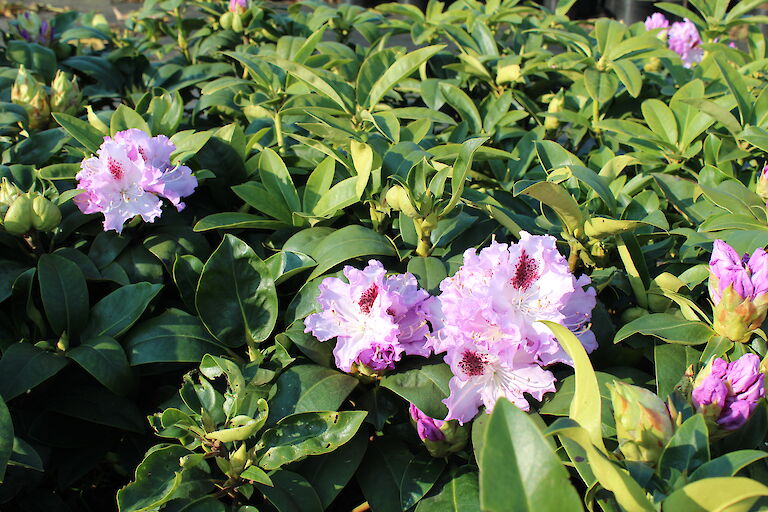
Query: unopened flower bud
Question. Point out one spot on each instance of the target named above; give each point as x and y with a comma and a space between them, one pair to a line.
440, 437
18, 218
762, 184
653, 65
727, 393
510, 73
45, 214
397, 198
8, 194
738, 287
238, 6
643, 424
65, 94
30, 94
556, 104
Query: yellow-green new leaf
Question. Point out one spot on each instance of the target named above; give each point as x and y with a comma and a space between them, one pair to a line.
715, 495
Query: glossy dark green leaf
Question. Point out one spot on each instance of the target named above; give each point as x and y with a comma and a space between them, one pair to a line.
309, 433
727, 465
514, 450
64, 293
7, 439
105, 359
24, 366
346, 243
117, 312
461, 493
82, 131
236, 297
686, 451
419, 477
425, 385
669, 328
291, 492
172, 337
381, 473
309, 387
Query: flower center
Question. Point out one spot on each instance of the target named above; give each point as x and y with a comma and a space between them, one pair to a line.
115, 168
526, 272
367, 298
472, 363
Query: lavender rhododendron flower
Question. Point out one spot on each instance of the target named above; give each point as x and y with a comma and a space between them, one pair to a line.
238, 6
427, 428
762, 184
374, 318
129, 175
488, 325
738, 286
685, 41
728, 392
656, 20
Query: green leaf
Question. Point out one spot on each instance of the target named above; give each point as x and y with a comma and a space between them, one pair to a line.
464, 105
424, 385
671, 362
265, 201
236, 297
362, 158
402, 68
64, 293
461, 169
459, 494
381, 473
687, 450
310, 433
419, 477
7, 440
629, 75
276, 178
715, 495
24, 366
346, 243
717, 112
429, 271
727, 465
83, 132
601, 86
309, 387
602, 227
738, 88
233, 220
557, 198
290, 492
104, 358
330, 473
660, 119
117, 312
586, 405
126, 118
310, 78
514, 450
667, 327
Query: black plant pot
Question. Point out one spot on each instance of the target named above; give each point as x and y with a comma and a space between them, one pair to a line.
581, 9
630, 11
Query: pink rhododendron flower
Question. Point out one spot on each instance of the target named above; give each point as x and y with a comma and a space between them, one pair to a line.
685, 41
656, 20
729, 392
129, 176
238, 6
487, 322
374, 318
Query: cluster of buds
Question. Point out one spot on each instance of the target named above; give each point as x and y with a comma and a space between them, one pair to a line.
727, 393
424, 218
643, 423
31, 28
30, 94
22, 212
235, 17
738, 287
440, 437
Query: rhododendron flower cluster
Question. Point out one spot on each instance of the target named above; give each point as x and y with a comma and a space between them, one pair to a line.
683, 37
738, 287
487, 323
129, 175
375, 318
729, 392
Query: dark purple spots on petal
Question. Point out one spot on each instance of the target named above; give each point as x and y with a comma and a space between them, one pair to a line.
526, 272
367, 298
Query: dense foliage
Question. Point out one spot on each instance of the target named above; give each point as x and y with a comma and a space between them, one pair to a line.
154, 285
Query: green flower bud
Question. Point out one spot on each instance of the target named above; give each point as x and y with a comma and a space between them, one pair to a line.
456, 437
65, 95
45, 214
8, 194
643, 425
30, 94
397, 198
556, 104
510, 73
226, 20
653, 65
18, 218
737, 317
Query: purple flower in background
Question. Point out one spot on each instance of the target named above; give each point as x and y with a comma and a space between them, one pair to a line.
685, 41
33, 29
427, 428
728, 392
129, 176
656, 20
374, 318
762, 184
238, 6
486, 320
